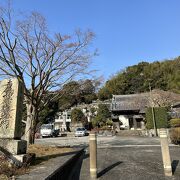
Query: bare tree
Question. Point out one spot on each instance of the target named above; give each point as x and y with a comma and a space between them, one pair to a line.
163, 98
41, 61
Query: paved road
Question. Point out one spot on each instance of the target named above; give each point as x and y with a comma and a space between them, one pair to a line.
131, 163
73, 141
123, 158
132, 158
107, 141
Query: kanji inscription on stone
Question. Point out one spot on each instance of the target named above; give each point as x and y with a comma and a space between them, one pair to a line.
6, 106
11, 101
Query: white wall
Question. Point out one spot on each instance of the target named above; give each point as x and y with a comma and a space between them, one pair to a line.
124, 119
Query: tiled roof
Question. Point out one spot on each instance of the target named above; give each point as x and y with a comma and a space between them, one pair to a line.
130, 102
143, 100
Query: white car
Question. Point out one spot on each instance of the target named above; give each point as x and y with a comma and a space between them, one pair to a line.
47, 130
80, 131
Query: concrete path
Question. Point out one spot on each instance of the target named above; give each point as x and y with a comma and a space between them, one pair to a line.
132, 158
102, 141
123, 158
132, 163
73, 141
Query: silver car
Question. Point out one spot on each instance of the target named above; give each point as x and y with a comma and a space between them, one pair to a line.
80, 131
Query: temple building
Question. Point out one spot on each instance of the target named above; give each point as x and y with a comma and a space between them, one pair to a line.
129, 110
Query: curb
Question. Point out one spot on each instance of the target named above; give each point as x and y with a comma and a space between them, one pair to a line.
68, 169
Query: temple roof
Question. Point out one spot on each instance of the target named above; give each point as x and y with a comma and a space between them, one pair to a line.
139, 102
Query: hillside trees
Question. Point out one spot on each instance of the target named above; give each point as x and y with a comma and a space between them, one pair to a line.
40, 60
163, 75
77, 92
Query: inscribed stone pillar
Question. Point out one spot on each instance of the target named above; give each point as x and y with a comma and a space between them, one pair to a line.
11, 105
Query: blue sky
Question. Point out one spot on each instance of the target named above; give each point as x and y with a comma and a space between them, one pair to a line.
127, 31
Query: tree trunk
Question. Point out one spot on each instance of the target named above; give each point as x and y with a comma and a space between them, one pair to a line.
31, 123
28, 124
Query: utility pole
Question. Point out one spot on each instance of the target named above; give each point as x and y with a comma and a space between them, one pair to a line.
152, 110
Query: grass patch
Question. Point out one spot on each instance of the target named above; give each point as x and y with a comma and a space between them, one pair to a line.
44, 153
42, 150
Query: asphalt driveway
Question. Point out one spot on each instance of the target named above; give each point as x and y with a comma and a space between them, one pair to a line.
132, 158
111, 141
123, 158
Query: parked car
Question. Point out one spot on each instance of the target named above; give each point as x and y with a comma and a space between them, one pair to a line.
81, 131
47, 130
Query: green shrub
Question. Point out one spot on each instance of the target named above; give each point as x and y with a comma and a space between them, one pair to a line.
103, 115
175, 122
95, 122
160, 117
175, 135
109, 122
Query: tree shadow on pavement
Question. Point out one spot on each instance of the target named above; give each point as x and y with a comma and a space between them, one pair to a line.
104, 171
174, 165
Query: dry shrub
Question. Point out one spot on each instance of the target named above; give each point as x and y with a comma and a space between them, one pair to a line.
8, 170
175, 135
175, 122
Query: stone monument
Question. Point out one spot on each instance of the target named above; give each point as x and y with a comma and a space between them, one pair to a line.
11, 105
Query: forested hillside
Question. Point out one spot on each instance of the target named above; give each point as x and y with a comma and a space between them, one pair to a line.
163, 75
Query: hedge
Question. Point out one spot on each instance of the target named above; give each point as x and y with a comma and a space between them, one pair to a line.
160, 117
